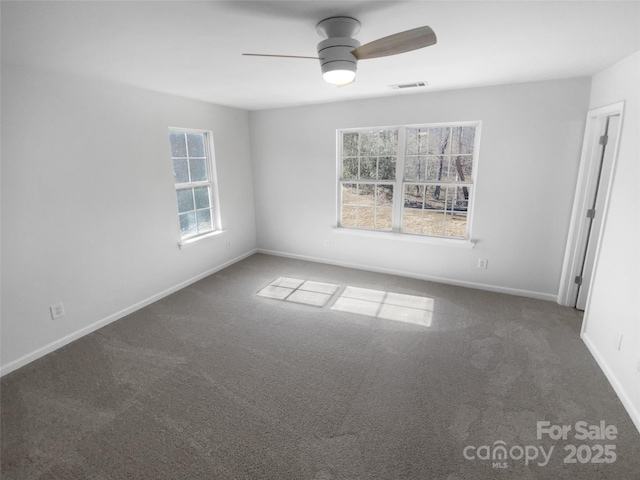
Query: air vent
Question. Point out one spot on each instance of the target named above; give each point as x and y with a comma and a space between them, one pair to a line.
401, 86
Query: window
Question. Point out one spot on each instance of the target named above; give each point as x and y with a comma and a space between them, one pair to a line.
409, 179
369, 164
194, 175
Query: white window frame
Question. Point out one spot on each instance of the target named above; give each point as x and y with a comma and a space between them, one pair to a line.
212, 183
399, 184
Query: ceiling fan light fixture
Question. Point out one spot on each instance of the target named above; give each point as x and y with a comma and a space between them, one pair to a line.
339, 77
337, 63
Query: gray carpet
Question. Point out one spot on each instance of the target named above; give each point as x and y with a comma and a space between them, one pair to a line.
216, 382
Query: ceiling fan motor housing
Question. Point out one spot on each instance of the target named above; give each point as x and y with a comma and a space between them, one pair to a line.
335, 54
338, 27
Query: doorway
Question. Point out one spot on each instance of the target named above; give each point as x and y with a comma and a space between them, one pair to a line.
609, 126
600, 146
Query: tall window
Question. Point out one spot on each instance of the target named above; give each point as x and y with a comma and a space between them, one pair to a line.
408, 179
193, 173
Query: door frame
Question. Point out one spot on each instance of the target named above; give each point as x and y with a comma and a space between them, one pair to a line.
586, 187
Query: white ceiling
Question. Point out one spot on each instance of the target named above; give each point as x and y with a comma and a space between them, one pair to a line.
193, 48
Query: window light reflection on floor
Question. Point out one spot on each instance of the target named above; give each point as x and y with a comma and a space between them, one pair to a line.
295, 290
387, 305
362, 301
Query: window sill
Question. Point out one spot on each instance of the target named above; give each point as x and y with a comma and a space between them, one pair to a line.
193, 240
407, 237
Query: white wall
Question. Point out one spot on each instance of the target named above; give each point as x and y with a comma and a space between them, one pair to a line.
612, 308
529, 156
89, 216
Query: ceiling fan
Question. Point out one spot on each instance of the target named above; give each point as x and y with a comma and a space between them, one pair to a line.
339, 52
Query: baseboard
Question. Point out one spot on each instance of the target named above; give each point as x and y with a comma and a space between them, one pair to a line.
448, 281
40, 352
613, 380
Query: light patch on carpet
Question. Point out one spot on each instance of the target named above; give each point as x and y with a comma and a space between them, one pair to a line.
389, 306
309, 298
397, 307
273, 291
287, 282
295, 290
319, 287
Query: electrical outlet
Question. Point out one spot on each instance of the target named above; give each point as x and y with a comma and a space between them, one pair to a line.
482, 263
57, 311
326, 243
228, 244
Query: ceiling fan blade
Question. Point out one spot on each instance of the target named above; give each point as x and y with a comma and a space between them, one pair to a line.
398, 43
279, 56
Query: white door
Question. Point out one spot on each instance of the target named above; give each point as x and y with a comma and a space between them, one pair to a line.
608, 133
